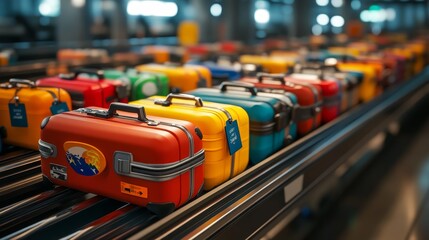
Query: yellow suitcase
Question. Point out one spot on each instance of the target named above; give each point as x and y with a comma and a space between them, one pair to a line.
212, 119
181, 78
369, 87
269, 64
23, 106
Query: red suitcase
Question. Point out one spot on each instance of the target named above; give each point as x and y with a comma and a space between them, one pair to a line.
331, 93
149, 161
307, 114
87, 91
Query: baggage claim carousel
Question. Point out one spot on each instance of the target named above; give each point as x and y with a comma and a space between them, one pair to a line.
281, 196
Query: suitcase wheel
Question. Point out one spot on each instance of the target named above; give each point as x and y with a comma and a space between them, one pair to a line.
161, 209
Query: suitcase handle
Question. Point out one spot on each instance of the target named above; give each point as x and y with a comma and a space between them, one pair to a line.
16, 81
249, 87
171, 96
77, 72
115, 106
269, 76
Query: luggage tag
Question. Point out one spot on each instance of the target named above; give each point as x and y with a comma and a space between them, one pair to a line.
233, 136
17, 114
58, 107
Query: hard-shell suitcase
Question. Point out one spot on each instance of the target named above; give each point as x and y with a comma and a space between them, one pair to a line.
307, 114
148, 161
181, 78
219, 73
370, 87
268, 117
269, 64
142, 84
350, 81
227, 153
331, 94
88, 91
23, 106
288, 99
163, 54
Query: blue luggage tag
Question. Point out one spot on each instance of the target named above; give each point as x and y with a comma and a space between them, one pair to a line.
18, 115
233, 136
59, 107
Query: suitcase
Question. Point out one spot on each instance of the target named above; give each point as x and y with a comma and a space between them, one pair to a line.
369, 87
142, 84
331, 94
219, 73
163, 54
23, 106
349, 81
181, 78
123, 154
268, 117
88, 91
269, 64
307, 114
289, 101
223, 160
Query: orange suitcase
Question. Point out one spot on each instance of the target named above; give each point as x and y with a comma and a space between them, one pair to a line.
123, 154
23, 106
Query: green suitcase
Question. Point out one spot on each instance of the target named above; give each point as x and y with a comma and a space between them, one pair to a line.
142, 84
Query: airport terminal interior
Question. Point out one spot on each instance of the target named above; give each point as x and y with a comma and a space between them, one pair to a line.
214, 119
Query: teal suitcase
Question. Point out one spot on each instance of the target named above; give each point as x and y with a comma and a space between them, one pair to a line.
141, 84
269, 117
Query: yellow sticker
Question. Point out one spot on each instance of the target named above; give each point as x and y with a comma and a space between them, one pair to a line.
133, 190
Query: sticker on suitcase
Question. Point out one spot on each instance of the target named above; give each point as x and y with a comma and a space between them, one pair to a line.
84, 159
133, 190
58, 172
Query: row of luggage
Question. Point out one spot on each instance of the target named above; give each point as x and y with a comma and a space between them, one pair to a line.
162, 151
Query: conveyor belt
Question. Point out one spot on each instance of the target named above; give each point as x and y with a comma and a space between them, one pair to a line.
250, 205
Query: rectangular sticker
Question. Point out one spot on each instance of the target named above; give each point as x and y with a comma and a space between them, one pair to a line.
59, 107
18, 115
58, 172
293, 188
233, 136
134, 190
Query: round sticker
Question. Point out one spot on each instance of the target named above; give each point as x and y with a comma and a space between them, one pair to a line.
149, 89
84, 159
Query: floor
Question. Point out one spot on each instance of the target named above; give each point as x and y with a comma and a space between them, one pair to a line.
390, 199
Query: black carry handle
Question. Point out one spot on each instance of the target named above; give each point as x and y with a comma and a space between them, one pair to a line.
270, 76
139, 110
77, 72
249, 87
15, 81
169, 100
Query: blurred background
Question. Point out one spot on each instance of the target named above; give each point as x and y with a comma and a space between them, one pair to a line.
48, 25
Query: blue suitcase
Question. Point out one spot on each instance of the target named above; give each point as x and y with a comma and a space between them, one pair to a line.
268, 116
219, 73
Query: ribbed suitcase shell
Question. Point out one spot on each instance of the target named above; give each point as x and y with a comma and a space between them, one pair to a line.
309, 98
289, 100
211, 119
148, 161
267, 121
37, 103
181, 78
142, 84
87, 92
350, 82
331, 93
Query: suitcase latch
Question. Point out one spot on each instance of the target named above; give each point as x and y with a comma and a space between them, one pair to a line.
122, 161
